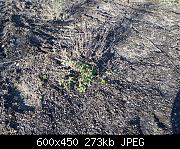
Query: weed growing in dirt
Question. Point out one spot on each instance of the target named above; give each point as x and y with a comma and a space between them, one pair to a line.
86, 74
68, 83
103, 82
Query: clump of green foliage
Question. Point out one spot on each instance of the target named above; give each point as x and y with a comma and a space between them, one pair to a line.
103, 82
86, 74
68, 83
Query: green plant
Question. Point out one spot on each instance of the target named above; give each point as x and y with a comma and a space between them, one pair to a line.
68, 83
104, 82
87, 74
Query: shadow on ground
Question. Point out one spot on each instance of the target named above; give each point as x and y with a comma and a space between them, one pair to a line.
175, 115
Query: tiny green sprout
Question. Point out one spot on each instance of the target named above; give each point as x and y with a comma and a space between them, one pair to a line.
103, 82
61, 82
87, 73
68, 84
83, 80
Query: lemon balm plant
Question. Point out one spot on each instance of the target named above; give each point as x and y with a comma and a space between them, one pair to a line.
83, 56
86, 76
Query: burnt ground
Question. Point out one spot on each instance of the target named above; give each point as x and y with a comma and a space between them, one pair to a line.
139, 57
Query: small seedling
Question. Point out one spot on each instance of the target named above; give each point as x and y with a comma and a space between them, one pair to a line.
87, 74
103, 82
83, 80
68, 83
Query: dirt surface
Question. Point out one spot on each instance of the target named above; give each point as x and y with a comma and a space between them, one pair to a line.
135, 48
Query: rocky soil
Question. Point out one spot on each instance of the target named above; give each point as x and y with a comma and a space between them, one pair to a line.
135, 48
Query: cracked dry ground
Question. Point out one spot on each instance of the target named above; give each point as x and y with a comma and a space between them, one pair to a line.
140, 61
